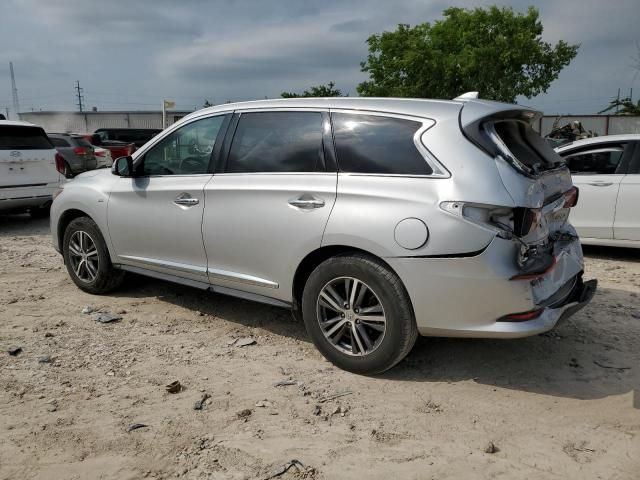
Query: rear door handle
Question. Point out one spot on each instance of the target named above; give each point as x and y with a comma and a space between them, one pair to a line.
601, 184
307, 203
184, 199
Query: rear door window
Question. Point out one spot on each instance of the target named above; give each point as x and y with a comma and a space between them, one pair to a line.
377, 144
597, 161
277, 142
15, 137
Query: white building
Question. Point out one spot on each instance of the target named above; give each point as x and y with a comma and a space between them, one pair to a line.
86, 122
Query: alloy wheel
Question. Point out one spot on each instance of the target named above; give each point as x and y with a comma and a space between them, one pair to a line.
351, 316
83, 256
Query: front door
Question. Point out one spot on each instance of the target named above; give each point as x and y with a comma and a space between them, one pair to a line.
596, 171
155, 218
268, 207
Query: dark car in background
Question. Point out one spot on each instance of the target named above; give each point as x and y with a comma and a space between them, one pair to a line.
138, 136
77, 152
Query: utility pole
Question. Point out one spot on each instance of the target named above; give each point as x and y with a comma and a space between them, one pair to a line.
14, 91
79, 95
618, 101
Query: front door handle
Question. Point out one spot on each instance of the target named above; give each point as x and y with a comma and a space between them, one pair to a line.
601, 184
184, 199
307, 203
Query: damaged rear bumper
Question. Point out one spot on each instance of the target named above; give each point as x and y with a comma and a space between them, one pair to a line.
472, 296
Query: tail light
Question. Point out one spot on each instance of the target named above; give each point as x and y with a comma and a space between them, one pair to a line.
100, 154
80, 151
525, 220
571, 197
60, 166
522, 317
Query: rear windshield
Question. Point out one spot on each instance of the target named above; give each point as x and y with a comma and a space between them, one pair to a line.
14, 137
526, 146
81, 142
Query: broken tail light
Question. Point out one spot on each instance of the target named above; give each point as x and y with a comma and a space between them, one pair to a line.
571, 197
522, 317
526, 220
538, 274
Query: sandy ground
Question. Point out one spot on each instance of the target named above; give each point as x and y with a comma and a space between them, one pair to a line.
559, 405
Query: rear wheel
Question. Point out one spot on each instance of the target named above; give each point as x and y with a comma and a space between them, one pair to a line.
358, 314
87, 258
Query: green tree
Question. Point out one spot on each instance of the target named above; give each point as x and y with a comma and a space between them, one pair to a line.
625, 106
494, 51
327, 90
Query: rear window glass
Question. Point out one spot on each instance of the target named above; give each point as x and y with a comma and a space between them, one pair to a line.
376, 144
59, 142
277, 142
81, 142
525, 144
23, 138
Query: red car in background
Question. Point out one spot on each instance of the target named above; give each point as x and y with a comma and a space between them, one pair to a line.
116, 147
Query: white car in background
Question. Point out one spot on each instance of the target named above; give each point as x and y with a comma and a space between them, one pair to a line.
607, 172
28, 175
103, 157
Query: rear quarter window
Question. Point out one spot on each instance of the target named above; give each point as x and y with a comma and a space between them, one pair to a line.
15, 137
377, 144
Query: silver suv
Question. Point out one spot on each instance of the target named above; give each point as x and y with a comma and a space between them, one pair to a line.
372, 219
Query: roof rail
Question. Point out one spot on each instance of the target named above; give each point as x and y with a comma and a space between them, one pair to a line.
468, 96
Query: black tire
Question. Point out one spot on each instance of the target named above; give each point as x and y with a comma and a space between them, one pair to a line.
401, 330
107, 277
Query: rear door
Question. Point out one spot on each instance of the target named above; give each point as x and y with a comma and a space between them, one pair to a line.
27, 157
268, 204
597, 171
626, 225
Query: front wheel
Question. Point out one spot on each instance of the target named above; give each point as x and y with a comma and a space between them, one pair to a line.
87, 258
358, 314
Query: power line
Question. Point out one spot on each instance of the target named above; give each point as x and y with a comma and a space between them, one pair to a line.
14, 91
80, 96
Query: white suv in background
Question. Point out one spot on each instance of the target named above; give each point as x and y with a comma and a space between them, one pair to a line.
28, 175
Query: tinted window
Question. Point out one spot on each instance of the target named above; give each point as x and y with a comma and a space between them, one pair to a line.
374, 144
59, 142
600, 161
23, 138
81, 142
184, 151
277, 142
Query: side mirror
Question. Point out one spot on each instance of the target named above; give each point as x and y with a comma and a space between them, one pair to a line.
123, 166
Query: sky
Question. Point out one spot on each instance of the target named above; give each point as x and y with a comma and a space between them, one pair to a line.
130, 54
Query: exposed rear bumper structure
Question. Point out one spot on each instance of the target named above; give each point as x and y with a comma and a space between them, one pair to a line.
473, 296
